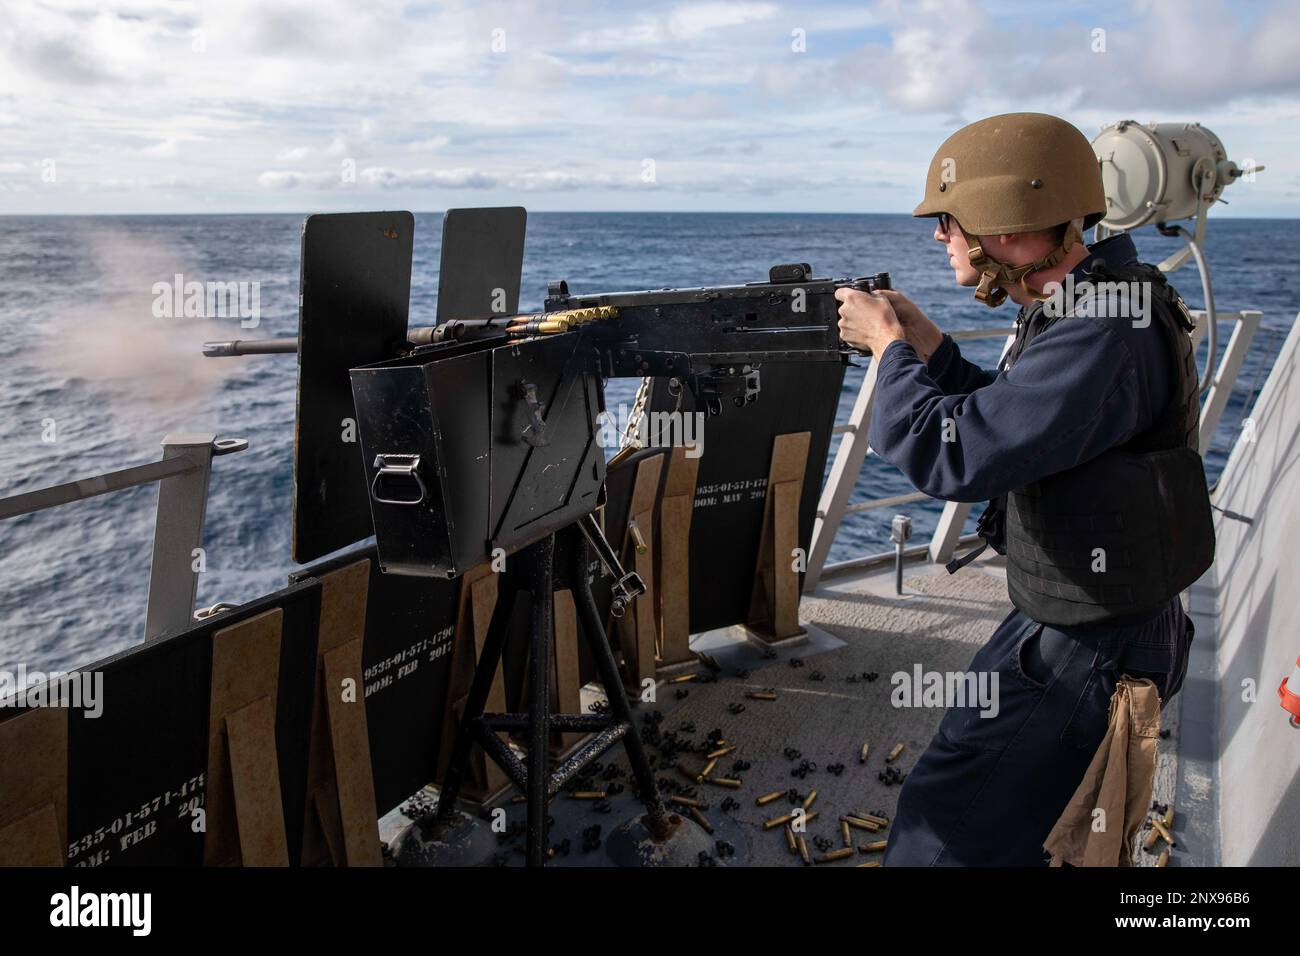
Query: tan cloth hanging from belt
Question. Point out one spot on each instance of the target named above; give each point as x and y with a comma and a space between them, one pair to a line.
1118, 782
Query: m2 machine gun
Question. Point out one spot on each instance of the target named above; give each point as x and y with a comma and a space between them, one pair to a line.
480, 435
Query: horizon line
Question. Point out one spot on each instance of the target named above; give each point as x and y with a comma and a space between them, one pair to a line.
560, 212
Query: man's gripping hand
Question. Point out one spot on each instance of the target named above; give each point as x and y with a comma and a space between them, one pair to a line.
867, 320
920, 331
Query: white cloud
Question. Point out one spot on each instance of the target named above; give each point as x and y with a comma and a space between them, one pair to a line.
691, 20
166, 149
412, 95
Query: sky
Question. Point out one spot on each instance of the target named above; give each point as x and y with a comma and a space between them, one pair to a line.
224, 106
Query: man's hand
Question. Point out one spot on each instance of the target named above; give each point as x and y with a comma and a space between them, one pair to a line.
924, 335
867, 321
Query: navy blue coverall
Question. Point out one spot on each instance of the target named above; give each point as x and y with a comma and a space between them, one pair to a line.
989, 789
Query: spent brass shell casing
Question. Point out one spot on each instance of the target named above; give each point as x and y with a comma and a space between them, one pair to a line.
1164, 832
637, 540
769, 797
761, 695
834, 855
1163, 859
893, 754
1153, 836
708, 767
589, 795
866, 748
682, 678
723, 782
701, 819
871, 818
1168, 818
876, 847
790, 841
845, 836
803, 851
778, 821
721, 751
686, 802
868, 863
519, 798
860, 824
808, 800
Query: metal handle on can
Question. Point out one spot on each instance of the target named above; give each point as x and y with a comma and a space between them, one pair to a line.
399, 466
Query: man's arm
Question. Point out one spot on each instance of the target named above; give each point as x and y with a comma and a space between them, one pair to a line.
953, 373
950, 371
1072, 394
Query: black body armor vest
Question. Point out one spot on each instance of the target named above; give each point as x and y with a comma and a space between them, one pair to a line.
1111, 540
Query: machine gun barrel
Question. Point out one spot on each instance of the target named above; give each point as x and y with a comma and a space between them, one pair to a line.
250, 347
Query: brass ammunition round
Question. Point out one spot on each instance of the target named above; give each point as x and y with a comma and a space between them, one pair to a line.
868, 863
1168, 818
721, 751
708, 767
700, 819
589, 795
803, 851
685, 802
834, 855
723, 782
777, 821
789, 839
876, 847
682, 678
761, 695
769, 797
860, 824
871, 818
893, 754
1163, 859
845, 836
1153, 835
808, 800
1164, 832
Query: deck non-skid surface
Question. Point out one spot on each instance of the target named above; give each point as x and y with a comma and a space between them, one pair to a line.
828, 704
826, 709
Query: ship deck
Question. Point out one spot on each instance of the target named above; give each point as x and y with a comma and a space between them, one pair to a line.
833, 694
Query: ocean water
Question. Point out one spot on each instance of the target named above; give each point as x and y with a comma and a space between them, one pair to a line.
91, 381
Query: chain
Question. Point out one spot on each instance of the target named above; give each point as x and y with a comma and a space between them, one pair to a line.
631, 432
633, 427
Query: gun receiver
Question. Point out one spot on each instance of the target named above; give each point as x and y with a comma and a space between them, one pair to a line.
711, 339
484, 435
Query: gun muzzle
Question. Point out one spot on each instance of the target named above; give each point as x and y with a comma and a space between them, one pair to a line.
250, 347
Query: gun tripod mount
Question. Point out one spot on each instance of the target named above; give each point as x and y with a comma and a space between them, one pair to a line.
534, 570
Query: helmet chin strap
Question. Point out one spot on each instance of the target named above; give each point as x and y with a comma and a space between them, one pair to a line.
996, 276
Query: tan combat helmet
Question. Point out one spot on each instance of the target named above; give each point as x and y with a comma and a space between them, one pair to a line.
1019, 172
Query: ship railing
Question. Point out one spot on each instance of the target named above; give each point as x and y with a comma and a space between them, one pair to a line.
182, 475
835, 504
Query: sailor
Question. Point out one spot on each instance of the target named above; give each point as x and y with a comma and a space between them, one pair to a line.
1084, 443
